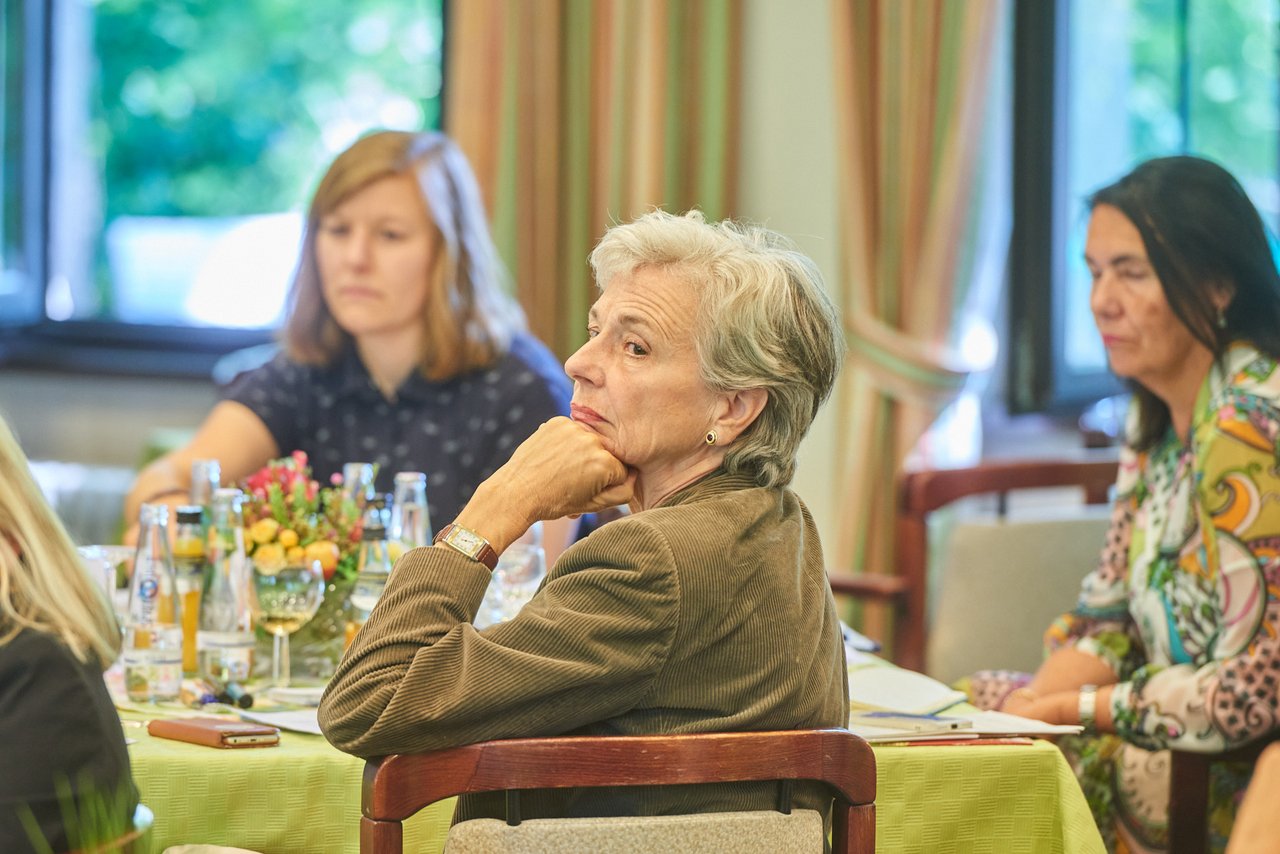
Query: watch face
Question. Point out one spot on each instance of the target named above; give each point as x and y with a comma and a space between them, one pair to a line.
465, 540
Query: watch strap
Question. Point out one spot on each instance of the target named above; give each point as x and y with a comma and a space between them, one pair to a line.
469, 543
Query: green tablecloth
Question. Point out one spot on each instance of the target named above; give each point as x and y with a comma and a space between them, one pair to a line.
979, 798
304, 796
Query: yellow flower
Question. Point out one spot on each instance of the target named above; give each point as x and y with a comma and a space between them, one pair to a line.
326, 552
295, 554
264, 530
288, 538
269, 558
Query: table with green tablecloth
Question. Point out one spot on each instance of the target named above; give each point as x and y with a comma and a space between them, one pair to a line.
304, 796
300, 796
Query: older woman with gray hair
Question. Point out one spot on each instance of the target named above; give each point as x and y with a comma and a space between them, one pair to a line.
708, 353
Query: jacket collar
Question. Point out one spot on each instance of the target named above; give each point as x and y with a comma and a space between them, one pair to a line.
716, 482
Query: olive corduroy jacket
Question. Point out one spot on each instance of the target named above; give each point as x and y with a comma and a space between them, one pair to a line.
709, 613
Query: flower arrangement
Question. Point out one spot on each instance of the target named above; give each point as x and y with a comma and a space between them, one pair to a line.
289, 517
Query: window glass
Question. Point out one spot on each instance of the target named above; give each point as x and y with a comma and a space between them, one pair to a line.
1143, 81
186, 138
19, 303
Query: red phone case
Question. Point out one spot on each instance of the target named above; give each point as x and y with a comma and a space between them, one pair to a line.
213, 732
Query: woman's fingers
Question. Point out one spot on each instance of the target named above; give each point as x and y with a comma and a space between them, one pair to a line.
620, 493
566, 469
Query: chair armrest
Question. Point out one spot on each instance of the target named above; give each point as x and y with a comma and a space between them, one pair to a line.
870, 586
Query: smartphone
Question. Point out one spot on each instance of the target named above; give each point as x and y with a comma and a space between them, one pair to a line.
215, 732
251, 739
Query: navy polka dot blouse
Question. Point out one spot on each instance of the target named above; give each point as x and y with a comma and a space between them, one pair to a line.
458, 431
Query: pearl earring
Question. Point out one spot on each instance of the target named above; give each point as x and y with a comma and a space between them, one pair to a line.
711, 437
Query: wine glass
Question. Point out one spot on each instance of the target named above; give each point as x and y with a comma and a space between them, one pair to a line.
283, 599
111, 566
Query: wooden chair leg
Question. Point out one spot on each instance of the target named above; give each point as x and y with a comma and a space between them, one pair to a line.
1189, 802
862, 828
381, 837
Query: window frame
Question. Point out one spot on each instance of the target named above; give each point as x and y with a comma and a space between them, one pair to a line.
1038, 378
28, 337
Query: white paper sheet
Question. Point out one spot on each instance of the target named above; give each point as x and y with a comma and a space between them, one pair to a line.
895, 689
297, 720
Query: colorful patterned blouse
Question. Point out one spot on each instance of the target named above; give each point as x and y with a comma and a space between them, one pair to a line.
1185, 602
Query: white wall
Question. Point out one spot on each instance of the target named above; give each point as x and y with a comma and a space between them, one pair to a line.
787, 177
97, 419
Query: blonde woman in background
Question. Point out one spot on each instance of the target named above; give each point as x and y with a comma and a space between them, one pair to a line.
64, 772
401, 346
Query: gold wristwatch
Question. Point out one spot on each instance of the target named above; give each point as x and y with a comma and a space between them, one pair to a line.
469, 543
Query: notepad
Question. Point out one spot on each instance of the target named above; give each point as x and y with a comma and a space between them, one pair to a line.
297, 720
894, 689
910, 722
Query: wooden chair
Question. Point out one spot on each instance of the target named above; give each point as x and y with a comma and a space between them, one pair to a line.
1189, 793
396, 787
919, 493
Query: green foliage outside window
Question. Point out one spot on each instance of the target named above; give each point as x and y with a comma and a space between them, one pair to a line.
1231, 98
229, 108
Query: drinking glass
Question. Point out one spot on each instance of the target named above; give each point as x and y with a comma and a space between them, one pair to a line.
111, 566
283, 599
520, 570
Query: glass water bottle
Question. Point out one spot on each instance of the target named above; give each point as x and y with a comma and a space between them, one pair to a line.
410, 520
152, 649
226, 624
373, 568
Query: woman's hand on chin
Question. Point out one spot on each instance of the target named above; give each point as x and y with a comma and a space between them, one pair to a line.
563, 469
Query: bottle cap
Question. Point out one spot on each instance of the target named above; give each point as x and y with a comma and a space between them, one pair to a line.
192, 513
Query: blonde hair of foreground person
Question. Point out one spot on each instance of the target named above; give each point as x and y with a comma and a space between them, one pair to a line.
469, 318
43, 584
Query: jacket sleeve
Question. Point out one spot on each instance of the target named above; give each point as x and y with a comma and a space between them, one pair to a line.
420, 677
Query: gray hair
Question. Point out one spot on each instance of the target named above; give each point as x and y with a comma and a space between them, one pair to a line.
764, 321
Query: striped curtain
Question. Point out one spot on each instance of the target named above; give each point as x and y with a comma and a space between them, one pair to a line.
911, 89
580, 113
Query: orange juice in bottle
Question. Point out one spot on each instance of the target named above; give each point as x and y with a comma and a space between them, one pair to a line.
188, 571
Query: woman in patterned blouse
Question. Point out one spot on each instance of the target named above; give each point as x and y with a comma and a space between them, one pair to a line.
1175, 640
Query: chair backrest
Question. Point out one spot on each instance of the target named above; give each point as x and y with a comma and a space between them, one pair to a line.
922, 492
1189, 793
396, 787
